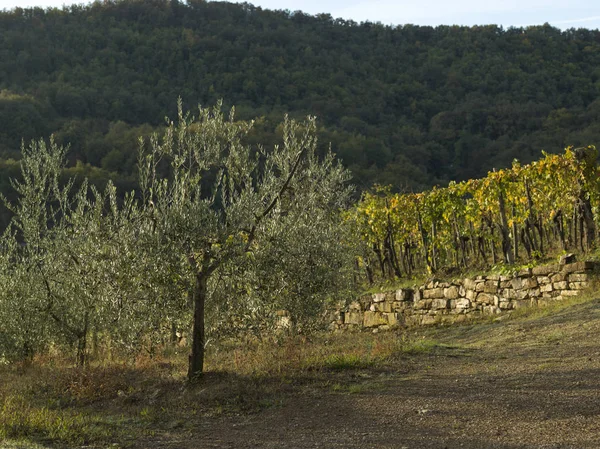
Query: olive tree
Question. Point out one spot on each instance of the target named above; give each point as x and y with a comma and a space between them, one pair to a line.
69, 262
254, 216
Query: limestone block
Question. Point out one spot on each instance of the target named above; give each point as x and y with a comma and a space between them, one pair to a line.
578, 285
505, 284
505, 278
517, 283
543, 280
462, 292
423, 304
496, 300
560, 285
545, 270
508, 293
505, 305
485, 298
534, 292
353, 317
418, 295
558, 277
493, 277
451, 292
546, 288
471, 295
439, 304
391, 318
385, 307
566, 293
578, 267
373, 319
403, 306
433, 293
529, 283
579, 277
379, 297
491, 286
463, 303
490, 310
373, 307
521, 294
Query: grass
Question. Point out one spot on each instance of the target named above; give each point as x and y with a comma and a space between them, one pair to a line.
61, 405
389, 285
49, 402
21, 419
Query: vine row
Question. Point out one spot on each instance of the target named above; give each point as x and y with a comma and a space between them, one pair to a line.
521, 213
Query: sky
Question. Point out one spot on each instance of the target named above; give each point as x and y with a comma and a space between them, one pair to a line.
562, 14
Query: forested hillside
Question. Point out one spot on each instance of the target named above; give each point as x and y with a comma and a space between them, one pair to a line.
410, 106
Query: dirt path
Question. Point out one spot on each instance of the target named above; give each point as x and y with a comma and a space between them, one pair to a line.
528, 384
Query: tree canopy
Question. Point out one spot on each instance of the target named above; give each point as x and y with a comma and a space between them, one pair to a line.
412, 106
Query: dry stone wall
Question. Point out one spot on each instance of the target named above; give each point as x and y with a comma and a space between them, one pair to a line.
454, 301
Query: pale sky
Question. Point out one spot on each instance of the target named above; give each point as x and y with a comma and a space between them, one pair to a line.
562, 14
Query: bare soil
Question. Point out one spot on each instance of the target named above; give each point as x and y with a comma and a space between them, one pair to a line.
531, 382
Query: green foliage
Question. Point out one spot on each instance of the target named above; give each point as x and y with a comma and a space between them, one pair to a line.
550, 204
69, 260
243, 233
411, 106
247, 232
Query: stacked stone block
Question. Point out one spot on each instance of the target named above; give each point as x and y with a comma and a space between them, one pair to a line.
440, 301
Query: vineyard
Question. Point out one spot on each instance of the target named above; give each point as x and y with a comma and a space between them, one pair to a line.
518, 214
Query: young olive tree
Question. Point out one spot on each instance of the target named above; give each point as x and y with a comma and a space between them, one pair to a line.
23, 331
69, 262
257, 218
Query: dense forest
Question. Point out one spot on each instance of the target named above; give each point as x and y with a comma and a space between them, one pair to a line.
411, 106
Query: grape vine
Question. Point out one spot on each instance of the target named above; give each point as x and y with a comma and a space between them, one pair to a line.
520, 213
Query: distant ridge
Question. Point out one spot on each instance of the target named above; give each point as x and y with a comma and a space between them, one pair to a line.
410, 106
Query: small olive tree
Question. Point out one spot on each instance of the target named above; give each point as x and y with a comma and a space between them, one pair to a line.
257, 218
70, 263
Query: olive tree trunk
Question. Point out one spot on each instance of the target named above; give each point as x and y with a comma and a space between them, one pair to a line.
196, 360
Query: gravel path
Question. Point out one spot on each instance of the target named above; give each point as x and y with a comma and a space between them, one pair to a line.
506, 385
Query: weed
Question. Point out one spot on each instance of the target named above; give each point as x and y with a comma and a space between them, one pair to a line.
344, 361
356, 388
20, 419
417, 346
